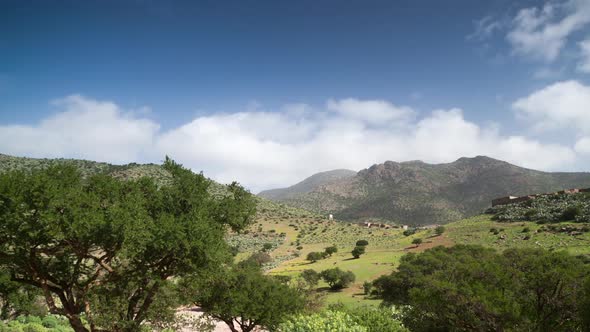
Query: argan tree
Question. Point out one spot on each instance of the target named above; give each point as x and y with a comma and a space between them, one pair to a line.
107, 247
358, 251
245, 299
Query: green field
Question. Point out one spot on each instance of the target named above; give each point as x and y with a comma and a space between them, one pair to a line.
386, 246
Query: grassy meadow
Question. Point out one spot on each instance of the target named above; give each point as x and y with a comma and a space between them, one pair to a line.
294, 233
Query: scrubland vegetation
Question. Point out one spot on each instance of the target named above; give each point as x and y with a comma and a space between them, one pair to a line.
91, 251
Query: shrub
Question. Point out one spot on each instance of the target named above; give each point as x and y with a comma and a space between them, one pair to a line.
331, 250
314, 256
440, 288
311, 277
34, 327
358, 251
409, 232
326, 321
417, 241
337, 279
362, 243
439, 230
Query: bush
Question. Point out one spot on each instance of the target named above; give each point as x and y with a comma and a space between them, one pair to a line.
314, 256
376, 319
311, 277
439, 230
417, 241
409, 232
326, 321
443, 288
362, 243
337, 279
367, 287
358, 251
34, 327
331, 250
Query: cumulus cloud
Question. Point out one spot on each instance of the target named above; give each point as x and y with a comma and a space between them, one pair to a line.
84, 128
265, 149
560, 105
541, 33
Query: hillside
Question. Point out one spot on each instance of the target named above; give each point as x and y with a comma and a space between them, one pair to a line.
417, 193
307, 185
265, 208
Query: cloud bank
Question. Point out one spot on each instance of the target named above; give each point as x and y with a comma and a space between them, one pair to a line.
270, 148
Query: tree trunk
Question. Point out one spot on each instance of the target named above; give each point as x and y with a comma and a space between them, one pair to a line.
76, 323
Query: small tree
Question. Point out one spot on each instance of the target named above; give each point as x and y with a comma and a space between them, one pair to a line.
362, 243
314, 256
358, 251
246, 297
439, 230
337, 279
311, 277
417, 242
331, 250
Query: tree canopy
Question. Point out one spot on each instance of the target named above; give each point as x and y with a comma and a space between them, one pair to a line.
107, 247
243, 296
466, 288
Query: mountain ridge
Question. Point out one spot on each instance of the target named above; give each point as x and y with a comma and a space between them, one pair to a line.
419, 193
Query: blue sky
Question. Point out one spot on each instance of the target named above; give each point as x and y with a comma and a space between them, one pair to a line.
268, 92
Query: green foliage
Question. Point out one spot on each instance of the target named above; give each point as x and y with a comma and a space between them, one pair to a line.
114, 243
546, 209
381, 319
247, 297
259, 259
358, 251
471, 288
49, 323
362, 243
314, 256
267, 246
325, 321
17, 299
367, 287
337, 279
409, 231
331, 250
311, 277
417, 241
439, 230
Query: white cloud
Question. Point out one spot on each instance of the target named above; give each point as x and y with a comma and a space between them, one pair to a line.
372, 112
583, 146
264, 149
561, 105
541, 33
85, 128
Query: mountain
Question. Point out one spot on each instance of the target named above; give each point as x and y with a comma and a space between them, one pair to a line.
307, 185
417, 193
